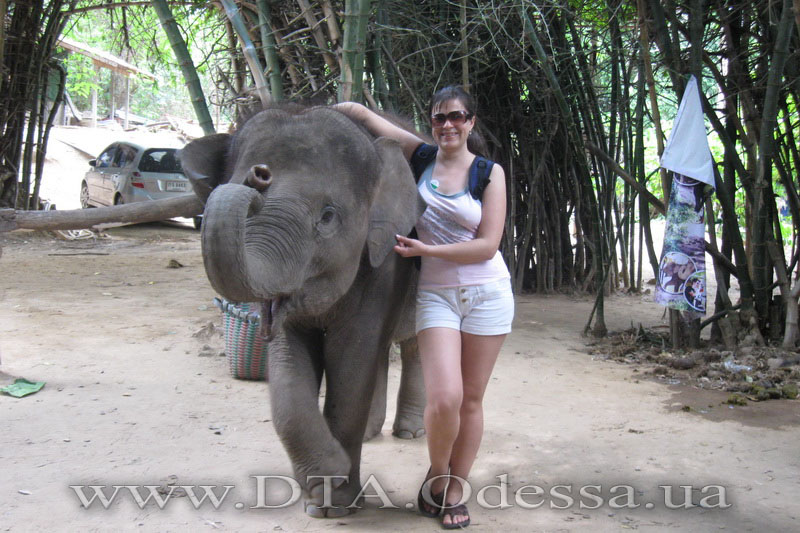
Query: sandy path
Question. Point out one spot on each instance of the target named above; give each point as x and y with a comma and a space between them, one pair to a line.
129, 401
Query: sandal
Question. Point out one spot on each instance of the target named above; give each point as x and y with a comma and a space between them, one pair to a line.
436, 503
452, 512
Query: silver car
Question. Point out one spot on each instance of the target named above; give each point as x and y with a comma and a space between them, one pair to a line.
126, 172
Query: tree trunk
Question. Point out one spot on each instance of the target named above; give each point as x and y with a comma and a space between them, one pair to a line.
40, 154
762, 275
792, 331
183, 206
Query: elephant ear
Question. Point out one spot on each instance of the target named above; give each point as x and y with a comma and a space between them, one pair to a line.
203, 161
397, 204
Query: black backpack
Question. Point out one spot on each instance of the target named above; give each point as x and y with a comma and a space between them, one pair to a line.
478, 172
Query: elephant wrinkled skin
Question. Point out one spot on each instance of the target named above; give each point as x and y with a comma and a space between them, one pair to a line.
302, 206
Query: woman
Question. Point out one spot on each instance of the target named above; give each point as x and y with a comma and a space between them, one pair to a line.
464, 304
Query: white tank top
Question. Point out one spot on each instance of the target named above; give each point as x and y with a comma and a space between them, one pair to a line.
448, 219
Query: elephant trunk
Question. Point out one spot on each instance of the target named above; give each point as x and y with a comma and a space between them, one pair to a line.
225, 256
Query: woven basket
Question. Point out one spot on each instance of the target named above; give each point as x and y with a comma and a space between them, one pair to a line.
245, 349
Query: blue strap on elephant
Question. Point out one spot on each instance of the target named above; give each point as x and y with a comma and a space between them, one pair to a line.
479, 171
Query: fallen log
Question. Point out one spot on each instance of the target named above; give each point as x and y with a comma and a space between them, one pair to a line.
182, 206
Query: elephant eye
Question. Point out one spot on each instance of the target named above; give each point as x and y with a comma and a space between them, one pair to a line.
328, 221
328, 215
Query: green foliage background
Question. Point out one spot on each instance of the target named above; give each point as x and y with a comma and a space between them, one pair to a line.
138, 39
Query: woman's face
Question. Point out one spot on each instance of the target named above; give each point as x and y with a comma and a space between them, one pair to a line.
453, 133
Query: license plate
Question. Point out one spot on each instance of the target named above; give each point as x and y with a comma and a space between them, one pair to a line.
176, 186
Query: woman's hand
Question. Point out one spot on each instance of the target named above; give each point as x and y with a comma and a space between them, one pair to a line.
379, 126
352, 109
409, 247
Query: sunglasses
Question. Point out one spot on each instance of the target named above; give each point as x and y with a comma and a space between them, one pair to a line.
456, 118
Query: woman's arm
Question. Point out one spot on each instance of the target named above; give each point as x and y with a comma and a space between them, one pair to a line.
380, 127
490, 230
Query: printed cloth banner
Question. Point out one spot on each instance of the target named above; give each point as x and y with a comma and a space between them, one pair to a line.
681, 280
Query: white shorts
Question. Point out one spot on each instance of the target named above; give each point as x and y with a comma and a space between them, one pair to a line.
486, 309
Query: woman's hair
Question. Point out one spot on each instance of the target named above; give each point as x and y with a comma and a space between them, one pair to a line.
475, 142
453, 92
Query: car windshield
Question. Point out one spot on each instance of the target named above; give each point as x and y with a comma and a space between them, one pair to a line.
160, 160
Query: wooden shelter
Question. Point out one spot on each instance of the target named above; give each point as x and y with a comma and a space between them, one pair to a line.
103, 59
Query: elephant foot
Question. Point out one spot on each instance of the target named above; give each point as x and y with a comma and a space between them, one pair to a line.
315, 511
408, 427
343, 499
408, 434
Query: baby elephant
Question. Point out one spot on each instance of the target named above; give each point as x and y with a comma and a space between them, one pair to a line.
302, 209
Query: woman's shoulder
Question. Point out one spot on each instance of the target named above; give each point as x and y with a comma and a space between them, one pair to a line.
422, 157
425, 151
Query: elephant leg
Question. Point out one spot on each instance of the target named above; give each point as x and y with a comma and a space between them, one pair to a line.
408, 423
377, 411
351, 364
295, 371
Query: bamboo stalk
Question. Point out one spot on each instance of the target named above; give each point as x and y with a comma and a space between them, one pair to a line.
186, 65
644, 43
354, 45
762, 274
248, 50
614, 166
316, 32
464, 46
270, 50
334, 32
3, 11
294, 76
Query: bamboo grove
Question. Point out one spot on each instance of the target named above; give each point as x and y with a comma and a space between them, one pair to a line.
574, 98
29, 77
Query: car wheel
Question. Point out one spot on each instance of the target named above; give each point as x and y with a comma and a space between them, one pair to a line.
118, 200
198, 222
85, 196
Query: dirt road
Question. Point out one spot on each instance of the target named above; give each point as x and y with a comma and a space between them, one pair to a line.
132, 398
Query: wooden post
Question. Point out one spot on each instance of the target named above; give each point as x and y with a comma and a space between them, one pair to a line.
675, 328
127, 100
113, 103
691, 330
94, 108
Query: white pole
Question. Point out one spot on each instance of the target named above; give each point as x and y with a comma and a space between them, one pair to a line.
127, 100
112, 90
94, 108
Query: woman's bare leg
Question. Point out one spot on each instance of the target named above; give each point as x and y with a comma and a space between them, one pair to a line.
478, 356
440, 354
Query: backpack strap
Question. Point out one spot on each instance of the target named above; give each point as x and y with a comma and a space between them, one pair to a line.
421, 158
479, 173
